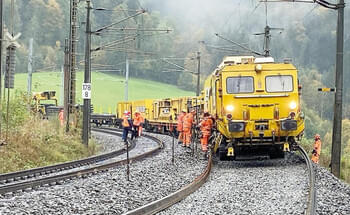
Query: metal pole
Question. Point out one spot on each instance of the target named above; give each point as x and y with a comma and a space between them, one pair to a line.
66, 84
1, 38
126, 78
8, 74
337, 120
197, 122
62, 87
127, 161
173, 149
30, 67
198, 73
87, 77
267, 41
12, 17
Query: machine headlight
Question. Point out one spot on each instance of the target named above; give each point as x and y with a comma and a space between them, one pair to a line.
292, 105
229, 108
289, 125
236, 126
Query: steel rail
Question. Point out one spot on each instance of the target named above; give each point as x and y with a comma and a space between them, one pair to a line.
311, 204
30, 173
161, 204
58, 179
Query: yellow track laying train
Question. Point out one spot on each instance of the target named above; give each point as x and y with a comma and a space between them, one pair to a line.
257, 106
255, 103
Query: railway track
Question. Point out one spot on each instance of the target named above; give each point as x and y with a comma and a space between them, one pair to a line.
31, 173
311, 204
172, 199
60, 178
161, 204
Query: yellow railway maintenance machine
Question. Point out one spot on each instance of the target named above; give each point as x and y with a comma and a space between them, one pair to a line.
41, 102
257, 106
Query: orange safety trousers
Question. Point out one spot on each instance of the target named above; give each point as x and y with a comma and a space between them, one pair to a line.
181, 136
61, 118
187, 134
204, 143
187, 124
317, 147
206, 125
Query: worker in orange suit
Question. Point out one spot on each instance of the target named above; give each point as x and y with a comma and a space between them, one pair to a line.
180, 121
205, 125
142, 120
137, 124
187, 128
317, 149
61, 117
127, 125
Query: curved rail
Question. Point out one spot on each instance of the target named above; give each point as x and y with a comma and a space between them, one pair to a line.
311, 205
161, 204
58, 179
29, 173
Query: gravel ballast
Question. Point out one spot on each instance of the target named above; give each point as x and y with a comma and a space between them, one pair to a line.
109, 192
250, 187
107, 142
333, 195
258, 187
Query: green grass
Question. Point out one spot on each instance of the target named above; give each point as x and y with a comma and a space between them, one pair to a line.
107, 88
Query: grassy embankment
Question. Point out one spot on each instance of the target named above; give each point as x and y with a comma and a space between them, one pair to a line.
107, 88
34, 142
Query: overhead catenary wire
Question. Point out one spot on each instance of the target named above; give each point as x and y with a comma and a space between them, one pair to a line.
323, 3
120, 21
241, 46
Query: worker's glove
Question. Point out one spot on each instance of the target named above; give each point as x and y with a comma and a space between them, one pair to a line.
314, 152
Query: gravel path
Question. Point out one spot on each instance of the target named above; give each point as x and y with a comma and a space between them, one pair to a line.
109, 192
250, 187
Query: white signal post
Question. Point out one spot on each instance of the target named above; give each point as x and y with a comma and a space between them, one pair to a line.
86, 91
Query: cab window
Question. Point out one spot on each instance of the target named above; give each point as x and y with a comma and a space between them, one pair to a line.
279, 83
241, 84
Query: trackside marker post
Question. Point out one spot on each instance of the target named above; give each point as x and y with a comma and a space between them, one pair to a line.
127, 162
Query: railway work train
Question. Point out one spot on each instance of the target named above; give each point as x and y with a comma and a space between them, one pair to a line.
255, 103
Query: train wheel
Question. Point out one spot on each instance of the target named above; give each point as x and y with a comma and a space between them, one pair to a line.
222, 152
277, 153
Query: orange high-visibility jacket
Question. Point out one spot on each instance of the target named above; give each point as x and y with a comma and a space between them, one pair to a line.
125, 122
138, 120
180, 121
188, 120
206, 125
317, 146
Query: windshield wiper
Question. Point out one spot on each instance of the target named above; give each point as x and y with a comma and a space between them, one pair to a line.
239, 84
